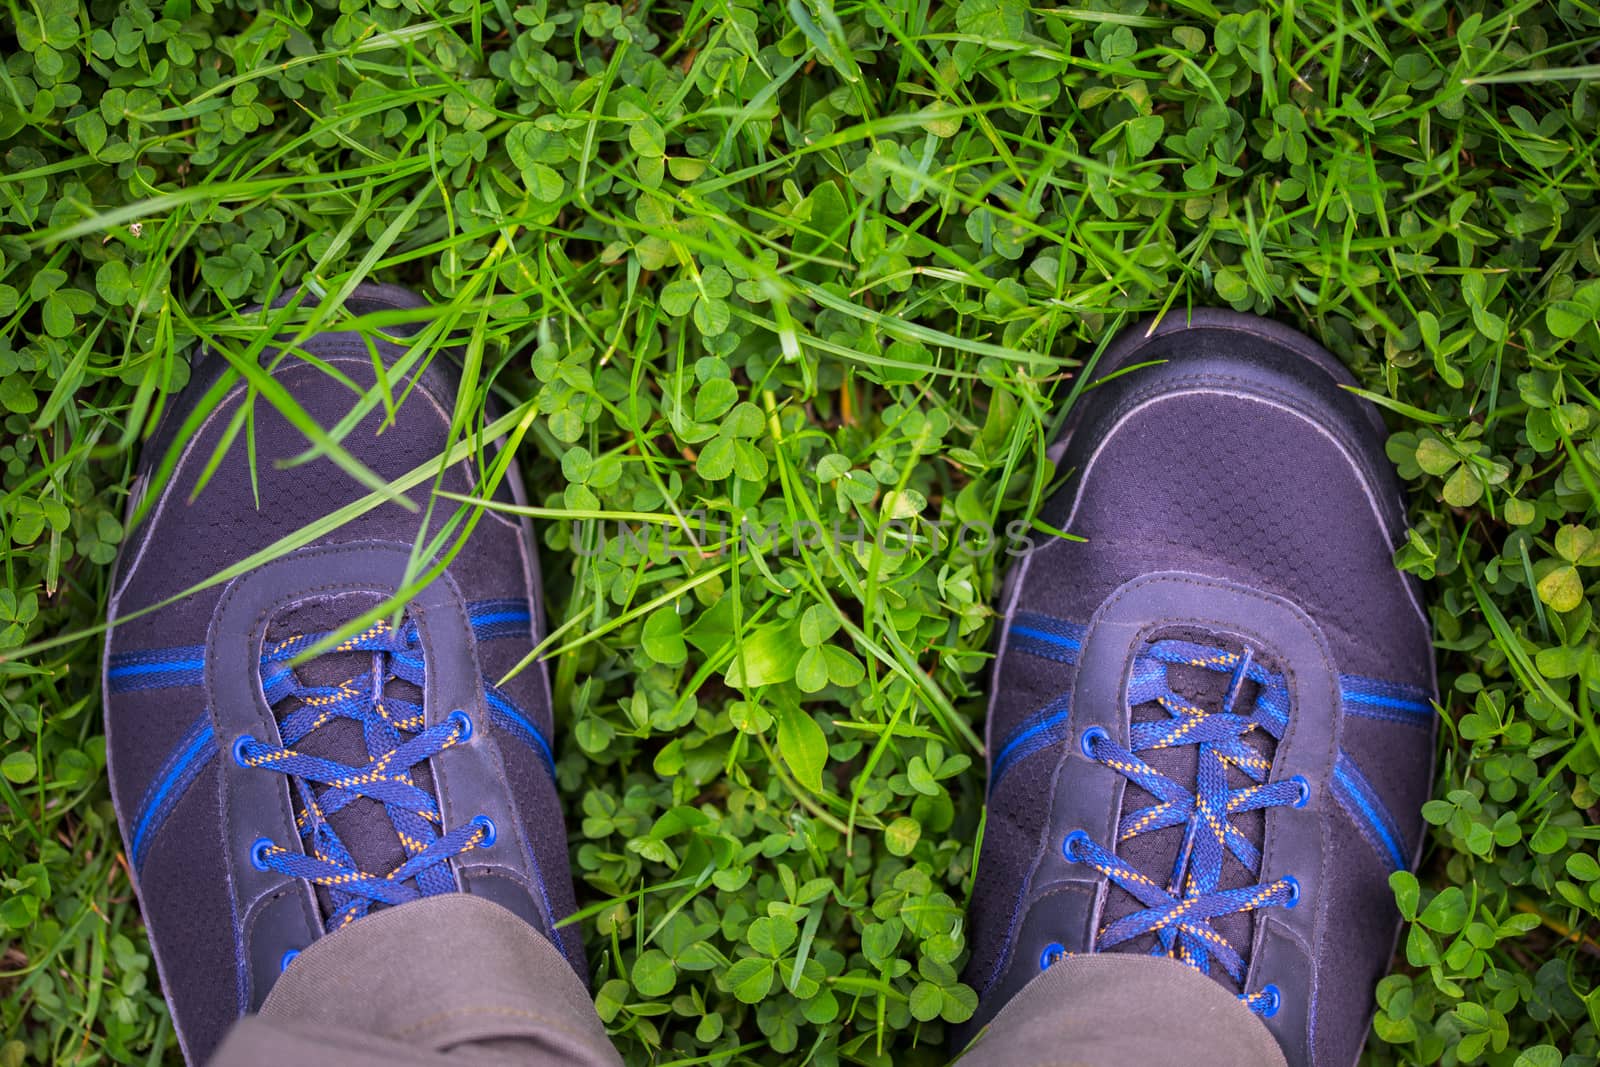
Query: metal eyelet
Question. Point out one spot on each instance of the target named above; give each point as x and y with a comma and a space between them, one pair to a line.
1274, 1000
1067, 846
239, 744
1052, 954
258, 853
1294, 891
1087, 739
1305, 790
286, 959
462, 723
486, 824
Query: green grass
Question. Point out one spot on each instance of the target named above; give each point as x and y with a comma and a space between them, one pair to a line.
840, 262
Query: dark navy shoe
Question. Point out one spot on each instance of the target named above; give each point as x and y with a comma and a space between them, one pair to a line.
266, 802
1211, 723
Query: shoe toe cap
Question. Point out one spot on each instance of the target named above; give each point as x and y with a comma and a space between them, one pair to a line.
1235, 449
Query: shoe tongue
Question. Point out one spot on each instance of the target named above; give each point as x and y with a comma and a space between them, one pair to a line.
1155, 853
363, 825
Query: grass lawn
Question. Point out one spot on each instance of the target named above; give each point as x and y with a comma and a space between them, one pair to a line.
846, 261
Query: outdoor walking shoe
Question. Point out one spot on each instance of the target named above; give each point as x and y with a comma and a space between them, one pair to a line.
1211, 722
266, 801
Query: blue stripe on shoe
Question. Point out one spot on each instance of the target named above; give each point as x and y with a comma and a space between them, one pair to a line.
506, 715
1039, 731
1045, 637
169, 668
1374, 698
187, 759
156, 668
1356, 795
494, 619
1057, 639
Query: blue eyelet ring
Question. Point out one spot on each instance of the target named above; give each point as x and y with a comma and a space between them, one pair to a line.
1087, 739
1274, 1000
286, 959
258, 853
1052, 954
1067, 849
462, 723
238, 749
1305, 790
486, 824
1294, 891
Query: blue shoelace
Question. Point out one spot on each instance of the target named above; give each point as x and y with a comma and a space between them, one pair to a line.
1180, 913
397, 740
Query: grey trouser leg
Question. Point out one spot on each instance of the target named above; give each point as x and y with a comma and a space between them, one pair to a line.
446, 980
1124, 1010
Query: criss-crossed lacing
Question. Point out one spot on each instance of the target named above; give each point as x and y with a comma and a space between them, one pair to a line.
396, 739
1180, 912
